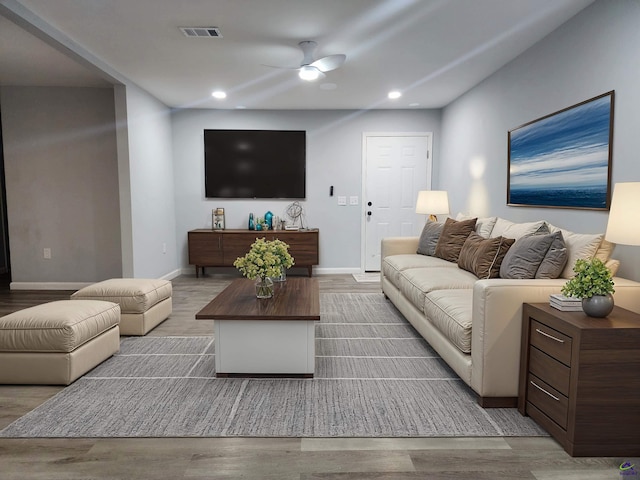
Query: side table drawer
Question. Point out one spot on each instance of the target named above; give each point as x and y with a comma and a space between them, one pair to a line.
548, 400
550, 370
551, 342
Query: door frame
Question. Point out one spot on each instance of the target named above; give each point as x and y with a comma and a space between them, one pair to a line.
363, 212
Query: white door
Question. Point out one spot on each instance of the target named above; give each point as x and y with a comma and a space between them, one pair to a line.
396, 167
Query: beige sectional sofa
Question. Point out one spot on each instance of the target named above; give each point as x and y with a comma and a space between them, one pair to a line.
475, 324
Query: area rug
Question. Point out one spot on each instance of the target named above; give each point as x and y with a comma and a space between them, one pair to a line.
375, 377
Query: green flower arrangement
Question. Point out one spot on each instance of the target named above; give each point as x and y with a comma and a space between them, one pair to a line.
265, 259
592, 277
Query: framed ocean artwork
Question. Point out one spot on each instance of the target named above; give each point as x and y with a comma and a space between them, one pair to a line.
563, 160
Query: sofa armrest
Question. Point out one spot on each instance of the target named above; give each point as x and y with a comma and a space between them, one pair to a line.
398, 246
497, 327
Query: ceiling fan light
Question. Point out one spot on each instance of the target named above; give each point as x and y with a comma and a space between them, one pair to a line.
308, 73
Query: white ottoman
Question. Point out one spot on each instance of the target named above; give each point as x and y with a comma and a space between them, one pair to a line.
144, 303
57, 342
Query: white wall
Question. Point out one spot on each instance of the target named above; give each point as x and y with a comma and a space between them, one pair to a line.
334, 157
62, 186
593, 53
152, 196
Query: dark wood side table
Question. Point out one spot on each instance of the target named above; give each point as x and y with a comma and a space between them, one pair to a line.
580, 378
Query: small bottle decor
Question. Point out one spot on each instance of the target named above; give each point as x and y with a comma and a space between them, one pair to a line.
268, 218
264, 261
252, 225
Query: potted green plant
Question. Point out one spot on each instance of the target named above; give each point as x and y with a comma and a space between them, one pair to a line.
594, 285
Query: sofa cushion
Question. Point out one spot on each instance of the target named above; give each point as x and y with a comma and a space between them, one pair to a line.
394, 264
484, 225
579, 245
509, 229
429, 238
524, 258
452, 238
451, 311
415, 283
483, 256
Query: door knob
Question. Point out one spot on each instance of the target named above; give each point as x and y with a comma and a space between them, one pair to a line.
369, 213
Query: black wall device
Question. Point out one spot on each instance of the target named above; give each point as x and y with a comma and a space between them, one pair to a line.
331, 191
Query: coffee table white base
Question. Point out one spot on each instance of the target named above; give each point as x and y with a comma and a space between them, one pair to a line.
269, 347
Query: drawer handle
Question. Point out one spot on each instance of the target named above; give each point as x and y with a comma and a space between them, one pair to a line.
549, 336
540, 388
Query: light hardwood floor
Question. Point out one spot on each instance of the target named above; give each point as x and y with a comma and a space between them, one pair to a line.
268, 458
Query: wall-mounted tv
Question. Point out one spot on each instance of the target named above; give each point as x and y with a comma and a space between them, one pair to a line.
255, 163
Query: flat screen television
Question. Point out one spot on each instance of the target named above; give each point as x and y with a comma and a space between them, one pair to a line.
255, 163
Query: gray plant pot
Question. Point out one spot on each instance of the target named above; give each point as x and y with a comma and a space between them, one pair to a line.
598, 305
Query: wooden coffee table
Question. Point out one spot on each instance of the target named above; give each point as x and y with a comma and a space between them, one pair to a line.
265, 337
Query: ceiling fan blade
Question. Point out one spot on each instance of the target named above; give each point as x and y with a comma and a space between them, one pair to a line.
280, 67
331, 62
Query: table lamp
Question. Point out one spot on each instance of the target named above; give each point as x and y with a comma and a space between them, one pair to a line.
432, 203
623, 227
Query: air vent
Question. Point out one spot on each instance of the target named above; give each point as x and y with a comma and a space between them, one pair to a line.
201, 32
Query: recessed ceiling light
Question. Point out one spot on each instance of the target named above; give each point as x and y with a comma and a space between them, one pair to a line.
219, 94
394, 94
240, 107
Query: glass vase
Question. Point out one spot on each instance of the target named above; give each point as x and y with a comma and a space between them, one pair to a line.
282, 277
264, 287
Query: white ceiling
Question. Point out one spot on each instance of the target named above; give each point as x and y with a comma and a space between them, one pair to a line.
431, 50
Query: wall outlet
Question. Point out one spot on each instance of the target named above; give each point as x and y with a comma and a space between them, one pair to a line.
47, 253
342, 200
353, 200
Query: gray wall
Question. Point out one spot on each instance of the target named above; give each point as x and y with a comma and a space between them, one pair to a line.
593, 53
149, 159
334, 157
62, 184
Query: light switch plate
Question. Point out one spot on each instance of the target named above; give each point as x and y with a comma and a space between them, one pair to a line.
342, 200
353, 200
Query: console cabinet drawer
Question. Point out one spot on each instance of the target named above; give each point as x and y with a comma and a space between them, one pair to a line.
550, 370
551, 342
548, 400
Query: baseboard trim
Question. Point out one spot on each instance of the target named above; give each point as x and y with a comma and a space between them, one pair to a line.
72, 285
48, 285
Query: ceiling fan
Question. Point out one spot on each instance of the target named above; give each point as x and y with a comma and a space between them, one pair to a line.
311, 69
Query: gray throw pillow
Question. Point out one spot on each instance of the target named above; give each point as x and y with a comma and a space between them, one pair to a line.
525, 256
555, 259
429, 238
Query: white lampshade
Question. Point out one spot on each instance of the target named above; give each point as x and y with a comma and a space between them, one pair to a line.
432, 202
623, 226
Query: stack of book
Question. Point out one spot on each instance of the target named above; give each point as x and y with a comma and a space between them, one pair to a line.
564, 303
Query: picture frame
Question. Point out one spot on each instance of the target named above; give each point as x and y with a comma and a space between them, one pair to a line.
563, 160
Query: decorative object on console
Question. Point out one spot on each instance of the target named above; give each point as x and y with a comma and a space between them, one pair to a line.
268, 218
252, 225
264, 261
550, 166
217, 219
432, 203
594, 285
295, 212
